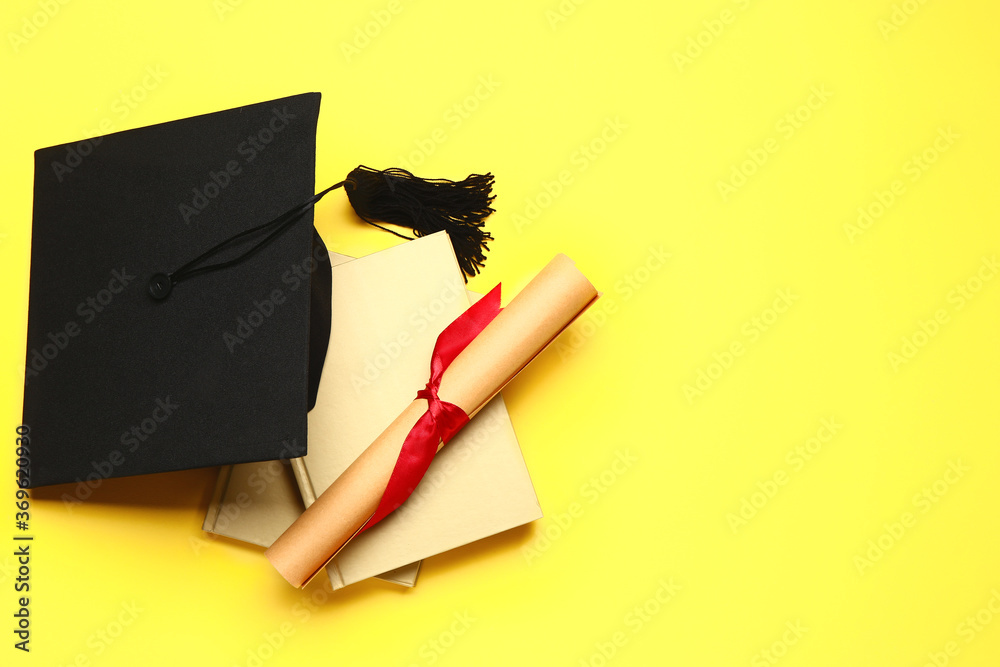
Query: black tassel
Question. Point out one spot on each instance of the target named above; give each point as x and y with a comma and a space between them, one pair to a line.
393, 196
397, 197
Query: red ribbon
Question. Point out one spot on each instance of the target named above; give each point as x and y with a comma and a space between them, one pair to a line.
442, 420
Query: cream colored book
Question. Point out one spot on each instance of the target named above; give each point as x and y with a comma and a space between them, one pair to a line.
388, 309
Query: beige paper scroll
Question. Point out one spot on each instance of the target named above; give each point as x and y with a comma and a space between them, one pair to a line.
532, 320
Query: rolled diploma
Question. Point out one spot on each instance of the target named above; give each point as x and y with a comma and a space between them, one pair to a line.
532, 320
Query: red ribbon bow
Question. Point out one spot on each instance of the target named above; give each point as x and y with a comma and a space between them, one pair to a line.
442, 420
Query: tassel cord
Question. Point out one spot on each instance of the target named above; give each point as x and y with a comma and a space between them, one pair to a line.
394, 197
282, 222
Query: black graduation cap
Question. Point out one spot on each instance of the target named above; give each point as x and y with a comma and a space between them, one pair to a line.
179, 304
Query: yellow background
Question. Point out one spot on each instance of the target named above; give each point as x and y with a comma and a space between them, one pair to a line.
672, 130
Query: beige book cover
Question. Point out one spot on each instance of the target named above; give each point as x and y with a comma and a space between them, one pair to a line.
256, 502
388, 309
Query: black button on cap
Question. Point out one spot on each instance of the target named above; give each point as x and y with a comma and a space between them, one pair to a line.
160, 286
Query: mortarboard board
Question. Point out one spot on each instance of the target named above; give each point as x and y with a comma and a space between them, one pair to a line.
125, 372
118, 383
